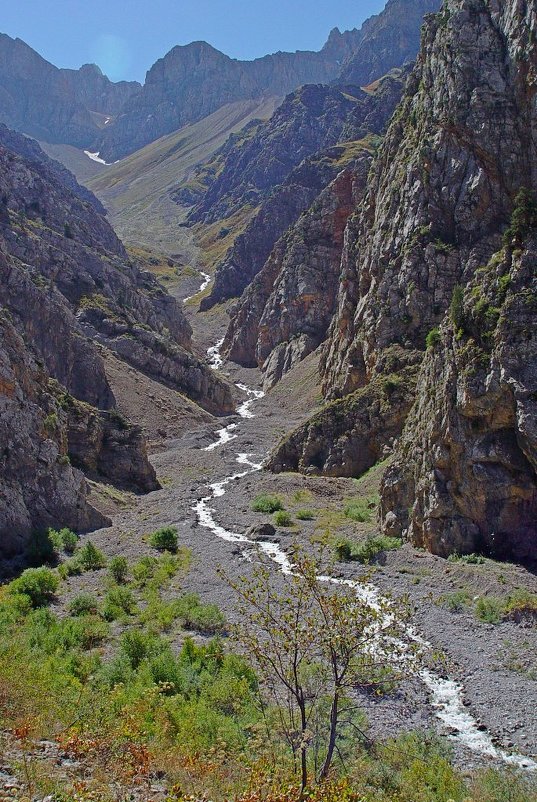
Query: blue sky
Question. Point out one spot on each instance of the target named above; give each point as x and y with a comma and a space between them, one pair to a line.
125, 37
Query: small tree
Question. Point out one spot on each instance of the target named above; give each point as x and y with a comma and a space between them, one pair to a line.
315, 644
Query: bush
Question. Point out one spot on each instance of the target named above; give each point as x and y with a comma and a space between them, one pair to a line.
38, 584
118, 602
433, 338
343, 549
90, 557
267, 503
282, 518
470, 559
83, 604
373, 546
205, 618
489, 609
305, 515
63, 540
359, 510
70, 568
164, 539
136, 646
456, 602
456, 309
368, 551
119, 569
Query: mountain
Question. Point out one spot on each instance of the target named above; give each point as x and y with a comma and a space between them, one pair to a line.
389, 39
281, 166
54, 105
70, 296
193, 81
440, 254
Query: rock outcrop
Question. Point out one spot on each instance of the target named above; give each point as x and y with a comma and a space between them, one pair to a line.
389, 39
443, 195
285, 313
69, 290
39, 487
464, 478
441, 190
52, 104
352, 434
301, 132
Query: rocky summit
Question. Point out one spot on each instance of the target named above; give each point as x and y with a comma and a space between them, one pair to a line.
268, 415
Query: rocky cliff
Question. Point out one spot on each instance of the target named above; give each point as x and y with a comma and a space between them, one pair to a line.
389, 39
193, 81
444, 190
464, 478
312, 120
52, 104
285, 313
69, 290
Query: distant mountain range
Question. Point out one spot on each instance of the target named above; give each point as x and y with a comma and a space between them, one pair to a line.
85, 109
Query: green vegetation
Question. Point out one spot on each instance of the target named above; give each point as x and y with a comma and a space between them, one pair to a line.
469, 559
368, 551
84, 604
118, 603
361, 509
434, 338
456, 309
267, 503
164, 539
38, 584
129, 703
63, 540
523, 219
282, 518
119, 569
305, 515
90, 558
456, 602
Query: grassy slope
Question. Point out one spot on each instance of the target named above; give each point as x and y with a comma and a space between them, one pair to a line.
136, 189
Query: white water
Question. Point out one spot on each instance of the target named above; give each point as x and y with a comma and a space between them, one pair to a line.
203, 286
446, 695
96, 158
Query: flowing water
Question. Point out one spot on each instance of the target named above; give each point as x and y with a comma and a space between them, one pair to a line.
446, 695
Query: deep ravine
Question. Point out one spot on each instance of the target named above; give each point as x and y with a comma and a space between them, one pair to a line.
445, 694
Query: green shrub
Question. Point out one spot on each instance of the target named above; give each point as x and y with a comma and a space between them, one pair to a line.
205, 618
136, 646
456, 602
489, 609
83, 604
433, 338
469, 559
343, 549
305, 515
38, 584
282, 518
63, 540
119, 569
456, 309
359, 510
374, 546
118, 602
267, 503
520, 605
523, 219
90, 557
71, 567
164, 539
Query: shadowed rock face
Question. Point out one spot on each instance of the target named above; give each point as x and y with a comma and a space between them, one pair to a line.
51, 104
68, 290
38, 487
